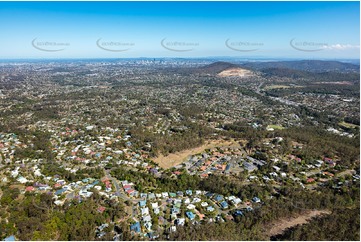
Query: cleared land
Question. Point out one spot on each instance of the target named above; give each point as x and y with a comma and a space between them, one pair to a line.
336, 83
348, 125
280, 87
344, 173
235, 72
273, 126
179, 157
281, 225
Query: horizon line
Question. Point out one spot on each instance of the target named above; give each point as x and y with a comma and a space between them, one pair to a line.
175, 57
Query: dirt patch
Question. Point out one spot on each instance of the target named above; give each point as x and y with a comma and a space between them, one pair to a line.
344, 173
239, 72
281, 225
20, 187
336, 83
179, 157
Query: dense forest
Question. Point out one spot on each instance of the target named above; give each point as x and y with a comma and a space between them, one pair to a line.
342, 224
318, 88
35, 217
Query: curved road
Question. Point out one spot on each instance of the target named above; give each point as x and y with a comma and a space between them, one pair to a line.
118, 192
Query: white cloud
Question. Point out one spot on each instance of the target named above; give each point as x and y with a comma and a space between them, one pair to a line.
341, 47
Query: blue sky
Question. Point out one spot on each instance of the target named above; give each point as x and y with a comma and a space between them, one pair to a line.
188, 29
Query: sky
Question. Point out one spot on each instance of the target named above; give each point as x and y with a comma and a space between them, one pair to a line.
315, 30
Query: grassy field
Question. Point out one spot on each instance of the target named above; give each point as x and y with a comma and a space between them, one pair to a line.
273, 126
280, 87
179, 157
348, 125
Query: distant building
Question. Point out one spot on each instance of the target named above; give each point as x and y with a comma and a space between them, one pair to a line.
10, 238
135, 227
238, 213
224, 205
179, 221
249, 166
218, 198
142, 203
190, 215
59, 192
210, 209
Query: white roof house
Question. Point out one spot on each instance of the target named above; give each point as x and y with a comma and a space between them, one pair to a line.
191, 206
204, 204
236, 201
22, 179
144, 211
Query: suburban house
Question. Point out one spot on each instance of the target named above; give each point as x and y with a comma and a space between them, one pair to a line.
190, 215
135, 227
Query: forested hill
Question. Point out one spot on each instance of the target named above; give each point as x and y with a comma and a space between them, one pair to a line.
310, 69
319, 76
306, 65
217, 67
313, 70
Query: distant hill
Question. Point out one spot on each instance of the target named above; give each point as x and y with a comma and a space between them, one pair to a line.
217, 67
285, 72
329, 76
305, 65
225, 69
313, 70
